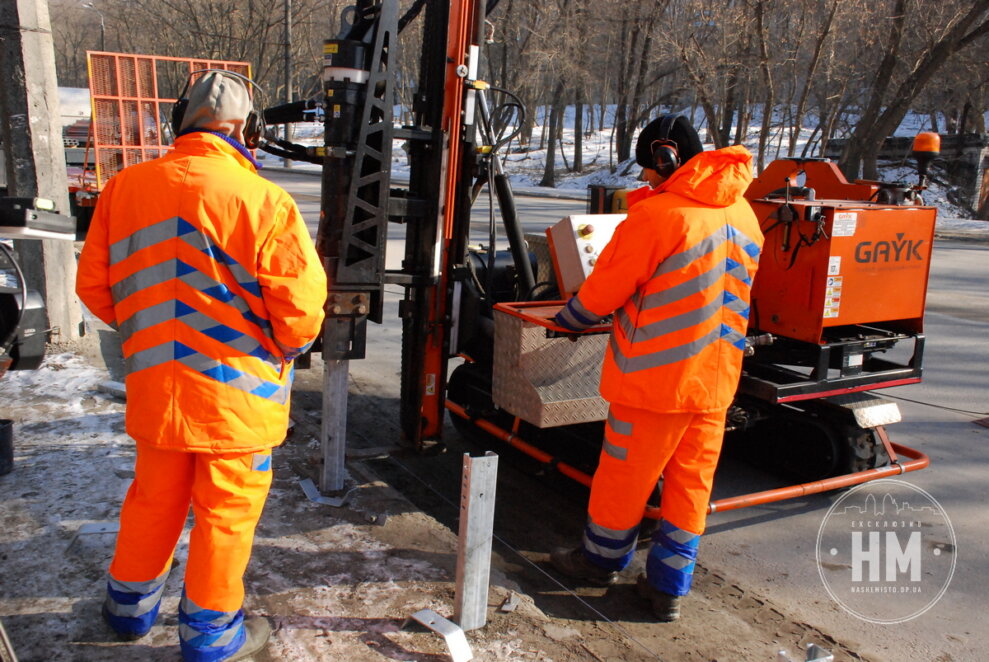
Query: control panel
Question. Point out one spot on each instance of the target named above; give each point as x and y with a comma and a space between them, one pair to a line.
575, 243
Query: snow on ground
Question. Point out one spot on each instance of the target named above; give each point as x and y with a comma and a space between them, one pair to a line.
335, 583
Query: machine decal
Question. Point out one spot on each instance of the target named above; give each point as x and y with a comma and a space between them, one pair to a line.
845, 223
901, 250
834, 265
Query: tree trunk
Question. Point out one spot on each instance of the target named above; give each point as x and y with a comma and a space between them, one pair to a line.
578, 137
769, 98
555, 112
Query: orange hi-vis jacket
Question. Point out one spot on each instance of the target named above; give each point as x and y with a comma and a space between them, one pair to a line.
677, 274
204, 268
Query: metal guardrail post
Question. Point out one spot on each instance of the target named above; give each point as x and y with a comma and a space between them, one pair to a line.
477, 503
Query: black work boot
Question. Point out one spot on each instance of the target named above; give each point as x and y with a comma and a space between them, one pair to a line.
665, 607
574, 564
258, 631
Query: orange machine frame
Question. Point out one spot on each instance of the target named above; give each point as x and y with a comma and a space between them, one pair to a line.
129, 112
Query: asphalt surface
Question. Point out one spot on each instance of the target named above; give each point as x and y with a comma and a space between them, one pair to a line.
772, 548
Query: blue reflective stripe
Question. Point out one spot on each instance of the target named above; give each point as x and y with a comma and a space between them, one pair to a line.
132, 607
609, 548
209, 367
672, 559
206, 635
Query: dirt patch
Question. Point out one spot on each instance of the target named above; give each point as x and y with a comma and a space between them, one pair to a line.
336, 583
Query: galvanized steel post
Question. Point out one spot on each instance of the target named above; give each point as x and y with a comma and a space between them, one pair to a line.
477, 503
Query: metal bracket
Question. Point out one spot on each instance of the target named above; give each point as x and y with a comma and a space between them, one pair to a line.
456, 640
814, 654
312, 493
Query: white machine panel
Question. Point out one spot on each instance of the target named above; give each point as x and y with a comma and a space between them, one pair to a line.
575, 243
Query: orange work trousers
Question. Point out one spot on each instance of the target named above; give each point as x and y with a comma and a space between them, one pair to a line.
639, 446
227, 493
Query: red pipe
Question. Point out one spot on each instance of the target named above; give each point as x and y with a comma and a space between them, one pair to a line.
916, 462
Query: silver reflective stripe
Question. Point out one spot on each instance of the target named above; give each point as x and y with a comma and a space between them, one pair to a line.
706, 246
698, 250
242, 342
169, 229
200, 241
165, 271
619, 426
150, 590
685, 289
573, 308
143, 279
240, 380
677, 561
146, 318
144, 238
686, 320
137, 587
614, 451
581, 310
680, 535
149, 358
607, 552
610, 534
733, 337
664, 357
197, 280
222, 618
243, 381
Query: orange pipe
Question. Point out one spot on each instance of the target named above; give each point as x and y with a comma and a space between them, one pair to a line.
916, 462
516, 442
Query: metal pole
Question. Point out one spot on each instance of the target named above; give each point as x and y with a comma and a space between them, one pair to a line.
288, 72
334, 426
477, 504
90, 5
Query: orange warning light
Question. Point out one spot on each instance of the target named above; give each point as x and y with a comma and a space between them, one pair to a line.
927, 141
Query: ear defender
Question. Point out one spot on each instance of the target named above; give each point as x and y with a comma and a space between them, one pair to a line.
665, 157
253, 129
665, 153
178, 112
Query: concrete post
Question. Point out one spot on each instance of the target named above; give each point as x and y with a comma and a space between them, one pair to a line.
33, 153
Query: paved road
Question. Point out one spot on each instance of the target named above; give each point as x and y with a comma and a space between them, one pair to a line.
771, 549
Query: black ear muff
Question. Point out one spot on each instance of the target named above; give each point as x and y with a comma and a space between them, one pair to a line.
665, 157
665, 152
253, 128
178, 114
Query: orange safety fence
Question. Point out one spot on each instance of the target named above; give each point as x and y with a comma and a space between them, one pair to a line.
132, 97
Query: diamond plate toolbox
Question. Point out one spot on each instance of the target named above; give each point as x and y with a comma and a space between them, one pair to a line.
547, 382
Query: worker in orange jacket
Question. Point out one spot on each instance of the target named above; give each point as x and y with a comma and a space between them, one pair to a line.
676, 274
210, 276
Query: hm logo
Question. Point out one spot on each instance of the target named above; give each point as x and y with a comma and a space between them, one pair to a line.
897, 559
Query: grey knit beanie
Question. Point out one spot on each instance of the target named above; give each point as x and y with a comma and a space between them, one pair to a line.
220, 103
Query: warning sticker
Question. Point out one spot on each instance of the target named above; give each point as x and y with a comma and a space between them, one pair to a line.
834, 265
844, 224
832, 296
